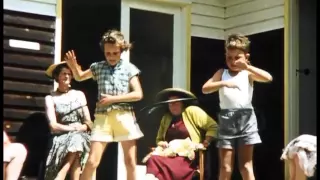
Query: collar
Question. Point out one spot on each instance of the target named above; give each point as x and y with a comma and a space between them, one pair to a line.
117, 66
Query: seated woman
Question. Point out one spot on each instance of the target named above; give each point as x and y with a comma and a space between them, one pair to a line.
14, 155
181, 122
301, 153
69, 120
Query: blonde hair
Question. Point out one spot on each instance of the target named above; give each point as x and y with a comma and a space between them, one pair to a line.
237, 41
115, 37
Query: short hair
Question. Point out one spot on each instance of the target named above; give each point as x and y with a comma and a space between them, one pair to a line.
115, 37
57, 71
237, 41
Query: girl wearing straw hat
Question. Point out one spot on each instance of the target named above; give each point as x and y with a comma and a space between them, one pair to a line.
69, 120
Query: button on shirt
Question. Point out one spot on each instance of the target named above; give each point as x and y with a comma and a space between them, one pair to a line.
113, 80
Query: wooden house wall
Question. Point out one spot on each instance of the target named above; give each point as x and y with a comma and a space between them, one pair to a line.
25, 84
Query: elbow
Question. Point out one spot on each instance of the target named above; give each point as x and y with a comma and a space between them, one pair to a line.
268, 78
138, 96
205, 90
78, 78
53, 127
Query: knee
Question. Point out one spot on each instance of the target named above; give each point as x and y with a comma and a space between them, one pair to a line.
20, 150
226, 168
129, 162
246, 168
93, 162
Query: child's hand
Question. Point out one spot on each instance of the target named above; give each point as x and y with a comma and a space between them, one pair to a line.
242, 63
230, 84
163, 144
106, 100
70, 58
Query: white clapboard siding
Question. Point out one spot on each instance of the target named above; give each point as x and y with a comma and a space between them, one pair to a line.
253, 16
212, 19
251, 6
204, 32
218, 3
229, 3
207, 19
45, 1
207, 10
259, 27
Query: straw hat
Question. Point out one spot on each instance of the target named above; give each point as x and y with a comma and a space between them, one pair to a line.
166, 93
52, 67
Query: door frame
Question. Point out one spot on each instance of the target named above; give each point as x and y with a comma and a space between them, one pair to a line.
181, 9
58, 37
291, 80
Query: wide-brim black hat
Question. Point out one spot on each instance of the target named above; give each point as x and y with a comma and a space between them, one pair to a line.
181, 93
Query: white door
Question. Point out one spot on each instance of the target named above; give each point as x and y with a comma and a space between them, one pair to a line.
160, 35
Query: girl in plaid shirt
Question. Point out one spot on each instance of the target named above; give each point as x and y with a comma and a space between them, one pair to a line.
118, 85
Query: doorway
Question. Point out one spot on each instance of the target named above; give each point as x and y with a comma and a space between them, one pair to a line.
267, 52
83, 24
159, 39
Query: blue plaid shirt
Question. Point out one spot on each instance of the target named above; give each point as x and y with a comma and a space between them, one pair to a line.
113, 80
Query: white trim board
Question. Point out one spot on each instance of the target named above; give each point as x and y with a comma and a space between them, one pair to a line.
30, 7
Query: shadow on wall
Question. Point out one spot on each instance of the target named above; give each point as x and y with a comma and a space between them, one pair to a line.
35, 135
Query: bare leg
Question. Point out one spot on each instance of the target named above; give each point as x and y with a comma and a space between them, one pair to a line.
96, 151
4, 169
94, 175
292, 169
299, 172
14, 167
75, 170
66, 166
245, 162
130, 158
226, 157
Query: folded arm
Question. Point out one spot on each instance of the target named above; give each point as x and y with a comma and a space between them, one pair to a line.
87, 123
214, 83
161, 132
259, 75
51, 115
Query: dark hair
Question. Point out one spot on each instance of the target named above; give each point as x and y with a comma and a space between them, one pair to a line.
57, 71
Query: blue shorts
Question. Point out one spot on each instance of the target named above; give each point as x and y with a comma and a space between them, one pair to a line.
237, 127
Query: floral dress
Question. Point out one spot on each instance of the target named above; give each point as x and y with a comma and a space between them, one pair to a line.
305, 146
69, 110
